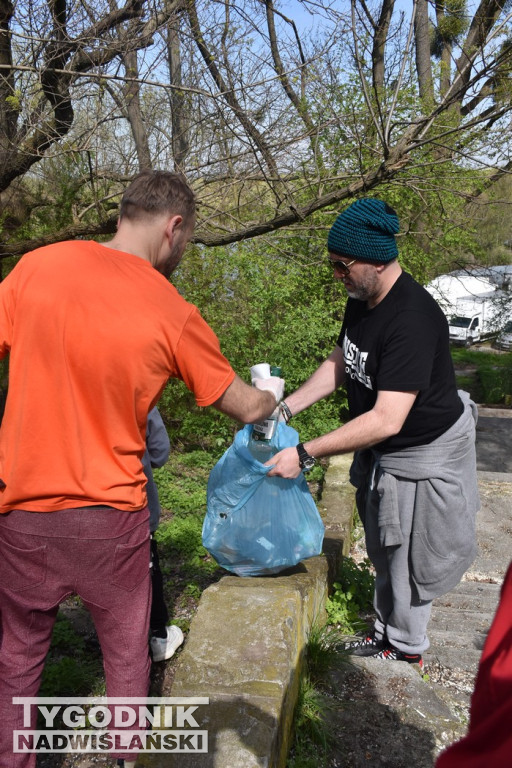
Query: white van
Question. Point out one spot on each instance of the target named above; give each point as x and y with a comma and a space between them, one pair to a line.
504, 338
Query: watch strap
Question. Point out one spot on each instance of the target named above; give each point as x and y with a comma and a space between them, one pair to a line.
306, 461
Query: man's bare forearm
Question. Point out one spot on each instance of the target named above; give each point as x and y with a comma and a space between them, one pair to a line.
324, 381
245, 403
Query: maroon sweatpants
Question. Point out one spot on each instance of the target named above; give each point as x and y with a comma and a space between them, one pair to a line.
98, 553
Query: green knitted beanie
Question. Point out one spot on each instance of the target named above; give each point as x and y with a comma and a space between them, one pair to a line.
365, 230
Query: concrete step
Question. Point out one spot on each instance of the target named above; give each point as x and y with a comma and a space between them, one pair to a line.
472, 591
458, 635
451, 658
387, 714
459, 625
475, 608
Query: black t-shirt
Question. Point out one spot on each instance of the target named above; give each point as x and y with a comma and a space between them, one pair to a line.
401, 345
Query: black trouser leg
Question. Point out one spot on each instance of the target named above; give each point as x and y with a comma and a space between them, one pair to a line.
159, 613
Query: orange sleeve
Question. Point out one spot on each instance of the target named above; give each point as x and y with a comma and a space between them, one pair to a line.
200, 362
8, 288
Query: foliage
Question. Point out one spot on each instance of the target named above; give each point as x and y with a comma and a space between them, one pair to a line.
181, 482
325, 651
496, 382
70, 668
317, 474
182, 490
450, 25
352, 594
181, 493
487, 376
182, 536
311, 735
274, 302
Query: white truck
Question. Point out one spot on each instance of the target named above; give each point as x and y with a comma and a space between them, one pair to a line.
475, 318
475, 307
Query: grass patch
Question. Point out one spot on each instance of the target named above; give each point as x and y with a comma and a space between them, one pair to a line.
186, 565
312, 736
182, 482
487, 376
70, 668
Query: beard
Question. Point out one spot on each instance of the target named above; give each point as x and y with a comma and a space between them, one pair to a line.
174, 258
366, 287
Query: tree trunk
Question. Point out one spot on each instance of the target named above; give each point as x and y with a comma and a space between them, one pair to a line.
133, 110
179, 123
423, 60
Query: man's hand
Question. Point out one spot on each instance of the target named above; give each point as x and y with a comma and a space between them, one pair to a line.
274, 384
248, 404
284, 464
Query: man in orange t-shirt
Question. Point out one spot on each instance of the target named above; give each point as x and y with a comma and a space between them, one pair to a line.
94, 332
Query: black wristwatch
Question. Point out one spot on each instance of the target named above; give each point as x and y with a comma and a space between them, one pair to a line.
306, 462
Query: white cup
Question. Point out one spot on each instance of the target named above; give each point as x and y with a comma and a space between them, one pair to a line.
260, 371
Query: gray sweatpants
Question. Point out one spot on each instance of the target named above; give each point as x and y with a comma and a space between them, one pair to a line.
401, 615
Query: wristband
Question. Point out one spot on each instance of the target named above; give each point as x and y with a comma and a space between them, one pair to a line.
287, 414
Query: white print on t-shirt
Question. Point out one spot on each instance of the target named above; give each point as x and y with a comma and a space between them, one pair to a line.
355, 362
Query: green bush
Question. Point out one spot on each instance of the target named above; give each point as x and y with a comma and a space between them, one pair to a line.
496, 383
489, 379
352, 594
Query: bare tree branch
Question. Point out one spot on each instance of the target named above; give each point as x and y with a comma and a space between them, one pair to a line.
270, 119
298, 103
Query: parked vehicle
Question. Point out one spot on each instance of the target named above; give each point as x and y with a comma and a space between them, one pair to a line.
475, 318
476, 307
504, 339
447, 289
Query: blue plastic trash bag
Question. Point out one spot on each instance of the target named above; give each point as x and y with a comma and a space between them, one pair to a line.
257, 525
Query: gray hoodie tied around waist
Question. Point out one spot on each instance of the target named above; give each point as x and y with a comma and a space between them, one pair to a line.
443, 540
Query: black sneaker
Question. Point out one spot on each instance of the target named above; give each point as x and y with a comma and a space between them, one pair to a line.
393, 654
366, 646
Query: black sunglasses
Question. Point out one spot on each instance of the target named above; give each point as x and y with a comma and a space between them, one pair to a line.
343, 268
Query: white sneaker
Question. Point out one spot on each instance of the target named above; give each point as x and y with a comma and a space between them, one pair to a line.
163, 648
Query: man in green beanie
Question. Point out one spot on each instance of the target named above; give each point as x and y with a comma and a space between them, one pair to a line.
412, 433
